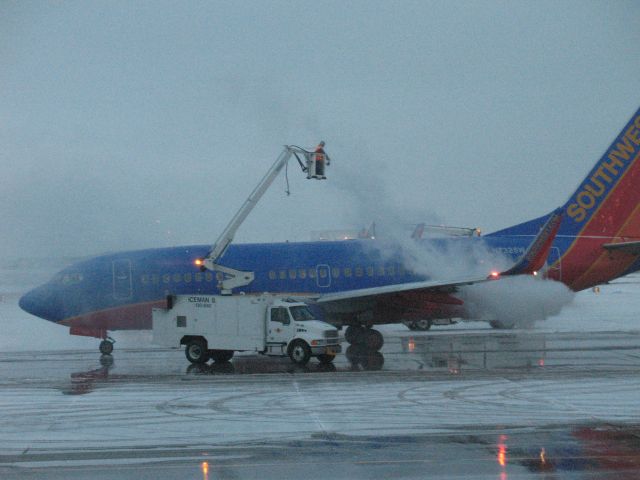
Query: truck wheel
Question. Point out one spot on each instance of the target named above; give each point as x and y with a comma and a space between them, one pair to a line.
221, 356
196, 352
326, 358
373, 339
299, 352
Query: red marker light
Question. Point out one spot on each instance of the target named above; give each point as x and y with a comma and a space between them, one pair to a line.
198, 262
494, 274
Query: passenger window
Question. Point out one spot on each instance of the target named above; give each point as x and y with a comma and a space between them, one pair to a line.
335, 272
381, 271
302, 273
292, 274
198, 277
359, 271
272, 275
312, 273
155, 279
145, 279
166, 278
177, 278
369, 271
280, 315
187, 278
283, 274
347, 272
208, 276
391, 270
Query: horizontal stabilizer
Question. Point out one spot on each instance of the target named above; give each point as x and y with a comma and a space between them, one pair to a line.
536, 255
632, 248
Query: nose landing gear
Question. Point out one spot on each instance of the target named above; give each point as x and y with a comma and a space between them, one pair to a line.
106, 346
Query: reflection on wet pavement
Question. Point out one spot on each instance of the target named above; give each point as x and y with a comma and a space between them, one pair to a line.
474, 403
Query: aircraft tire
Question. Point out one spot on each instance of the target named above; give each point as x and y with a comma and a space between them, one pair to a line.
373, 340
196, 352
221, 356
422, 325
299, 352
326, 358
502, 324
354, 334
106, 347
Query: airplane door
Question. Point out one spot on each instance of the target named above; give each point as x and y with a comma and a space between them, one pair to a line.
122, 279
323, 276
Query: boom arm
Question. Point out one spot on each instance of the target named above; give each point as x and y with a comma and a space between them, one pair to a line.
226, 237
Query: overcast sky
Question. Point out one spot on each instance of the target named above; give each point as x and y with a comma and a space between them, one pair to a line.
141, 124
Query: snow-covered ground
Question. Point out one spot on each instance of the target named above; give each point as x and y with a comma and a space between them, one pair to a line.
477, 390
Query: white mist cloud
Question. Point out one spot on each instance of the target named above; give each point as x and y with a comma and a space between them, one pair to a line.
519, 300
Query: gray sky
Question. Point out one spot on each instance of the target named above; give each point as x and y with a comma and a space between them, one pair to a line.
123, 121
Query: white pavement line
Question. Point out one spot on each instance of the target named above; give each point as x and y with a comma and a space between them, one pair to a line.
313, 413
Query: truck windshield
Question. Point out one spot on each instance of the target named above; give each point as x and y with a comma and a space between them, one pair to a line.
300, 314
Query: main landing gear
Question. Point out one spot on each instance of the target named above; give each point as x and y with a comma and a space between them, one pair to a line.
106, 346
369, 338
419, 325
364, 349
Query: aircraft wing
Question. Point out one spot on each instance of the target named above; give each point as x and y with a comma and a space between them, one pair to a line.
428, 285
532, 260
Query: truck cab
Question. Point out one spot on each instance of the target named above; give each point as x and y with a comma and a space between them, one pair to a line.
293, 330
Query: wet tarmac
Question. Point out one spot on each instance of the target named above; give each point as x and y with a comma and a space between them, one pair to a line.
461, 403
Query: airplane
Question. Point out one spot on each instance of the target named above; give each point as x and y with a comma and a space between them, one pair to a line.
359, 283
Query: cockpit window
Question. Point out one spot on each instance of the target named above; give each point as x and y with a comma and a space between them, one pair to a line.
301, 314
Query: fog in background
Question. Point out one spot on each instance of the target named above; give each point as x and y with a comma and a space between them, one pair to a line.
142, 124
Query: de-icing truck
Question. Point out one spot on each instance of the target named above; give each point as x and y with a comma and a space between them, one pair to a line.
216, 326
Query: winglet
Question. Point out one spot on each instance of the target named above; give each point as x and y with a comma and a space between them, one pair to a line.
537, 253
418, 231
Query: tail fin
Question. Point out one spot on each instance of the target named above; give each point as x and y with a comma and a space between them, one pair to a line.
607, 202
605, 209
